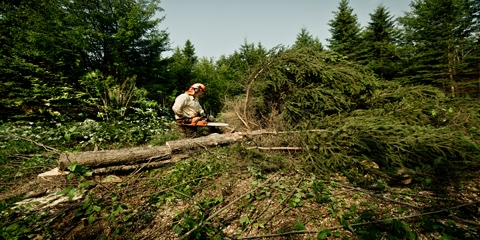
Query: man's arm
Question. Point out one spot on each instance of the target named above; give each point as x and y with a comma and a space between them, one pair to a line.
178, 105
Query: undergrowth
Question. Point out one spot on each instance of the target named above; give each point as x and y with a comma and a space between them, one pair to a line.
27, 148
235, 192
406, 170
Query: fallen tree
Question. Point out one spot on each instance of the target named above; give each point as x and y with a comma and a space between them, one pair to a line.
128, 159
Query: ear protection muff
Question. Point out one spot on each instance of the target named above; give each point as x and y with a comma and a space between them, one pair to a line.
196, 90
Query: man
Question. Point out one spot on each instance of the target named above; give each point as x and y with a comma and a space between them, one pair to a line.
187, 106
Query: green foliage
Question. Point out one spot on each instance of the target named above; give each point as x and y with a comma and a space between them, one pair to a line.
305, 85
305, 39
182, 180
49, 46
111, 51
441, 39
123, 39
379, 51
345, 31
39, 55
25, 146
112, 97
391, 144
80, 172
181, 183
182, 68
217, 88
9, 228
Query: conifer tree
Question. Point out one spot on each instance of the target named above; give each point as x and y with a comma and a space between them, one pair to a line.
474, 59
305, 39
345, 31
439, 34
378, 41
183, 63
47, 46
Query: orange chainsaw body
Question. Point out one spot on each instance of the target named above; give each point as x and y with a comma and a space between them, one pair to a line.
200, 122
196, 122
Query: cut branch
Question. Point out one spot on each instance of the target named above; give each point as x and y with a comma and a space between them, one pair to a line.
277, 148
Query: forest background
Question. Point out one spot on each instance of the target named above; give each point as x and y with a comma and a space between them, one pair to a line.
402, 93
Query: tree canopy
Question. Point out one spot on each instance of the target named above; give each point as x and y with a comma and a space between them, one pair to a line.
57, 42
345, 31
439, 34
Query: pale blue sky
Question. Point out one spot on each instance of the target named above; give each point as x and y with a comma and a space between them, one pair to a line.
220, 27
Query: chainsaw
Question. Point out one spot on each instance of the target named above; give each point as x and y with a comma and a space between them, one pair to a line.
200, 122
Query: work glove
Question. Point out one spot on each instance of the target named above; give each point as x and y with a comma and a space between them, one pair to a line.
210, 118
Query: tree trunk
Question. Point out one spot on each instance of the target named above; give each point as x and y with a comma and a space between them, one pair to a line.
132, 158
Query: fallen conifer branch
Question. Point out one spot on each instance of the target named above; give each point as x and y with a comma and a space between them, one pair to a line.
357, 224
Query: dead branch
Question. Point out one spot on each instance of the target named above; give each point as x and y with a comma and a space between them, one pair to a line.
276, 148
47, 148
243, 121
247, 95
263, 132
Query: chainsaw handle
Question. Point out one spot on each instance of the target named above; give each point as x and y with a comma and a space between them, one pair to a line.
195, 120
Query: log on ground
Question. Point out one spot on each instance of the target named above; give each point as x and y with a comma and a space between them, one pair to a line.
124, 158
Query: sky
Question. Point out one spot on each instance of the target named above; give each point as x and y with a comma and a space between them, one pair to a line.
220, 27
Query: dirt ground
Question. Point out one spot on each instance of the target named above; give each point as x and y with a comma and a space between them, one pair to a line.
240, 205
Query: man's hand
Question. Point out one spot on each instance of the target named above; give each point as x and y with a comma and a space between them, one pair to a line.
210, 118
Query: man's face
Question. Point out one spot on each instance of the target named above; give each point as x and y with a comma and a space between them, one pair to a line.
199, 94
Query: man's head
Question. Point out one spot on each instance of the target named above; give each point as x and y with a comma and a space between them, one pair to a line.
197, 90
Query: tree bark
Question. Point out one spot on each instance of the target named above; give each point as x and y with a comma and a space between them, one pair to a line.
132, 158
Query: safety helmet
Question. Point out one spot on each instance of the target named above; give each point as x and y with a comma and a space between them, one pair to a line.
195, 88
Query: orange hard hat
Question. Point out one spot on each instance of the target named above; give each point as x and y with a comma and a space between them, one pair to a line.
197, 87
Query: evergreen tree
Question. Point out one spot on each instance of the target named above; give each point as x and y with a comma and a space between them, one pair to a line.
474, 57
183, 63
379, 44
47, 46
439, 34
121, 36
40, 55
207, 73
345, 31
247, 56
237, 67
189, 52
305, 39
